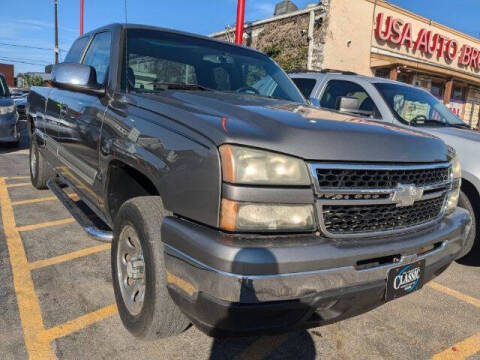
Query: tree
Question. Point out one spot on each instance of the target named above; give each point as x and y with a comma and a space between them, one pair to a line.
32, 80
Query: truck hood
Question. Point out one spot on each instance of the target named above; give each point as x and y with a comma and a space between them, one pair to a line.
292, 128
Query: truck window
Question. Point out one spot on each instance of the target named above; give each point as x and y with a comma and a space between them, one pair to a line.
76, 51
336, 89
305, 86
98, 55
157, 59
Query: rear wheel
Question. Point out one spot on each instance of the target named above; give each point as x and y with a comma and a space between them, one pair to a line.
40, 170
139, 274
473, 256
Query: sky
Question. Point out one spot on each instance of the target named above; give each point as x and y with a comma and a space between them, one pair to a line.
27, 26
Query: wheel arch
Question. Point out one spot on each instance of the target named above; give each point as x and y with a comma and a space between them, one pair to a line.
125, 181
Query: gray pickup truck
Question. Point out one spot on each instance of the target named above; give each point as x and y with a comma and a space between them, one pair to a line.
231, 203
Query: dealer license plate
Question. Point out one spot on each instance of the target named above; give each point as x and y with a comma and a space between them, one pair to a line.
405, 279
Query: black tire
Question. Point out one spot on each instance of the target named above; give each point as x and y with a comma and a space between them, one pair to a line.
40, 170
473, 256
159, 317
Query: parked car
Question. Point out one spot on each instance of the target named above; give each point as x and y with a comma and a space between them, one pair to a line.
21, 103
9, 130
233, 204
401, 104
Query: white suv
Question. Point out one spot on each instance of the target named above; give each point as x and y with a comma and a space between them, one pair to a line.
408, 106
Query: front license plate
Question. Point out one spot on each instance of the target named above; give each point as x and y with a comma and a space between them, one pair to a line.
405, 279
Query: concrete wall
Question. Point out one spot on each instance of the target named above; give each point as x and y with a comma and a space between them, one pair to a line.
347, 37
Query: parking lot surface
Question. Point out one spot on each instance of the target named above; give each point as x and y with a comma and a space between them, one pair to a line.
56, 300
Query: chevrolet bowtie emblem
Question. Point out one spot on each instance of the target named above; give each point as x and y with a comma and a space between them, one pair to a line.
406, 195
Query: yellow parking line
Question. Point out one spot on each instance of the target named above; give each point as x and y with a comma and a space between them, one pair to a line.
70, 256
74, 197
27, 301
461, 350
17, 177
468, 299
77, 324
262, 348
18, 185
45, 224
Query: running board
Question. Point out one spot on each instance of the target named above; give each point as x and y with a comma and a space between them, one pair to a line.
79, 214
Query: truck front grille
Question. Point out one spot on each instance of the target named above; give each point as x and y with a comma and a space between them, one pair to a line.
342, 219
355, 200
371, 178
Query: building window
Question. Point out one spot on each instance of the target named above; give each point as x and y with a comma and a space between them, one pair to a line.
458, 93
437, 89
383, 73
403, 77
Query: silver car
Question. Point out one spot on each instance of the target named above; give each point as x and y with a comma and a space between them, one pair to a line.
9, 128
405, 105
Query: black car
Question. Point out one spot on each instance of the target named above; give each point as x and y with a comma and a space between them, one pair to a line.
9, 129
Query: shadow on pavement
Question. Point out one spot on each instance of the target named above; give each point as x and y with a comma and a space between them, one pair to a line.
250, 316
295, 345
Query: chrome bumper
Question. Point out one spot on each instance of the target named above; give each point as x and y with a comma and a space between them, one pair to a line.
191, 276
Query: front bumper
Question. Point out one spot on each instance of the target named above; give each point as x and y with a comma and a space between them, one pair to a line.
9, 128
233, 286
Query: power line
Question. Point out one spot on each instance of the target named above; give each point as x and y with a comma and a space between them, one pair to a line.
23, 61
28, 47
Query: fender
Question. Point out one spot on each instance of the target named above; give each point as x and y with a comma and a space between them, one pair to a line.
179, 166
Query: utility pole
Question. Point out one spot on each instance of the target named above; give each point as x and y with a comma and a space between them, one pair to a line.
56, 32
82, 5
240, 21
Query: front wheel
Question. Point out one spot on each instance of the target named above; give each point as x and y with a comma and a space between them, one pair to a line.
473, 256
139, 274
40, 170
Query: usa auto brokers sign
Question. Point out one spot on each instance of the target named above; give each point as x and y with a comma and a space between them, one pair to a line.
397, 32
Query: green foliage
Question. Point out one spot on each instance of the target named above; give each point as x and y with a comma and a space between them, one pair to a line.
31, 80
289, 59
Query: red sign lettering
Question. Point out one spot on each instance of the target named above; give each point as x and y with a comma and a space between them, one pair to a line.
397, 32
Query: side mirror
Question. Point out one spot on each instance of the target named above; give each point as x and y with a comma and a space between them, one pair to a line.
348, 104
76, 77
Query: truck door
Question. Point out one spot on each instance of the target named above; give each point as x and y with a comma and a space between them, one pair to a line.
51, 122
80, 129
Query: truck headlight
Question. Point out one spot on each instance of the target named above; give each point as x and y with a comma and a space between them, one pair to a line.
454, 195
242, 165
7, 109
251, 217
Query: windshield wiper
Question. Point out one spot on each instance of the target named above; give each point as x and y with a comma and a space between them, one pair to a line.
427, 122
461, 126
160, 86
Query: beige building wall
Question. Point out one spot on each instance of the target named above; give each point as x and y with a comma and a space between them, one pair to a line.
348, 35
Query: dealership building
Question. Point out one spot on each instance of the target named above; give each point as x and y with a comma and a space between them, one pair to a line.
374, 38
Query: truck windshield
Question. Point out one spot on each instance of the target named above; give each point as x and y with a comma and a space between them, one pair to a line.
158, 61
416, 107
